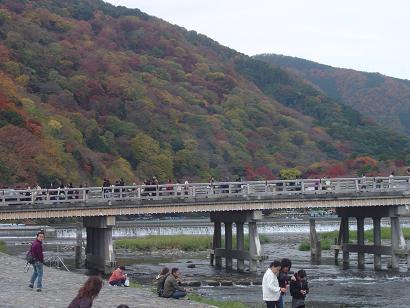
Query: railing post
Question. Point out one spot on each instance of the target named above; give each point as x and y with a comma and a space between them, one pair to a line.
32, 197
302, 186
356, 182
139, 192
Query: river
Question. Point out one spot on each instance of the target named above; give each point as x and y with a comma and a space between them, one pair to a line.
330, 285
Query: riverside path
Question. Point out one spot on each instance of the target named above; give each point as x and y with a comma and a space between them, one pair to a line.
60, 287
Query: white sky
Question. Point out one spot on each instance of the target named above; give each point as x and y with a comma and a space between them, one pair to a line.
366, 35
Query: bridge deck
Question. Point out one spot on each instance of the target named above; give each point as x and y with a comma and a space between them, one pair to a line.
204, 197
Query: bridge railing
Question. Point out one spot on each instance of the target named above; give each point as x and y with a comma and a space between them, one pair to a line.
203, 190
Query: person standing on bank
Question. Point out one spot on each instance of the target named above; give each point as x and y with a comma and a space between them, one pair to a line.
36, 251
283, 279
270, 285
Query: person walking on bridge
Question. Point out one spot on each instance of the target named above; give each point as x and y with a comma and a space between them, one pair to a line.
36, 251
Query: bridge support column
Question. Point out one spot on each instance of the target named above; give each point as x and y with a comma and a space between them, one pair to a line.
395, 242
99, 252
228, 245
345, 238
240, 245
254, 246
78, 246
216, 244
239, 253
360, 241
377, 242
315, 247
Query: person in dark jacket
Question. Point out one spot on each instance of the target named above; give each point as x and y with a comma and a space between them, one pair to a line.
36, 251
87, 293
171, 286
283, 279
298, 289
159, 281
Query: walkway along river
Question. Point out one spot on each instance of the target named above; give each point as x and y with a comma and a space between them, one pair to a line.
330, 285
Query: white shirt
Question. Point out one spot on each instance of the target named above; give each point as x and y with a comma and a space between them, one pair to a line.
270, 286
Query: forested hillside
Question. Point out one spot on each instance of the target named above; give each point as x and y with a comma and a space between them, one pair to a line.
383, 98
89, 90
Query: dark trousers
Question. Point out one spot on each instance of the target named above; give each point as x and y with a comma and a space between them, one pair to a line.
117, 282
274, 304
178, 294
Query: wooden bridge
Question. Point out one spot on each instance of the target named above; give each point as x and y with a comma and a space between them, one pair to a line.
228, 203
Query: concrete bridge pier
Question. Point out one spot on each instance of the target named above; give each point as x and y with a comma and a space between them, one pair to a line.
228, 252
99, 251
240, 245
377, 241
360, 241
397, 247
344, 225
315, 246
78, 246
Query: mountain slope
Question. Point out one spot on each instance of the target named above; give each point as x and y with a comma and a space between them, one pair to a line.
383, 98
88, 90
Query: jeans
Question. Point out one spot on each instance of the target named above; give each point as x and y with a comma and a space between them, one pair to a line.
274, 304
281, 301
37, 274
178, 294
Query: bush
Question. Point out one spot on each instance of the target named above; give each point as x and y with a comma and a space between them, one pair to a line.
3, 247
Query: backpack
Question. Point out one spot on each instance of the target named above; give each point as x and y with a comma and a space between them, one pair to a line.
29, 257
161, 285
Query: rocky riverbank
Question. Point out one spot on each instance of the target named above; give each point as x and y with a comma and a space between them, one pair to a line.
60, 287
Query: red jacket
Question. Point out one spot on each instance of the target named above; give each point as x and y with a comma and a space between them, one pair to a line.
37, 250
117, 275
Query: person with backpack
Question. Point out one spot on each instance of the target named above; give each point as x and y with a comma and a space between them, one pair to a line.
172, 287
160, 280
36, 252
298, 289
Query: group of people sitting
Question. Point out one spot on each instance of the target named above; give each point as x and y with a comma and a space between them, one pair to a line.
276, 281
169, 283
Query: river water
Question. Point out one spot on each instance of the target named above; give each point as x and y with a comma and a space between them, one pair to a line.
330, 285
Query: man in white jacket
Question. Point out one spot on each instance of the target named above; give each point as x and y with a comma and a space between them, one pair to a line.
270, 285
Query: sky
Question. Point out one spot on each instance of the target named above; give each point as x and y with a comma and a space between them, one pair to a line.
365, 35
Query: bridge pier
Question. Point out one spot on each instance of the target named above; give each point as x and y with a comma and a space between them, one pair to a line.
228, 245
344, 225
99, 251
377, 249
240, 245
360, 241
216, 244
315, 247
377, 241
78, 246
240, 254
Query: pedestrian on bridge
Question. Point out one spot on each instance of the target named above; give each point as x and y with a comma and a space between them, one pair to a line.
36, 252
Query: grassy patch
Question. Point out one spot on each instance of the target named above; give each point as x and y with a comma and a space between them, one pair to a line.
222, 304
183, 242
135, 285
3, 247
